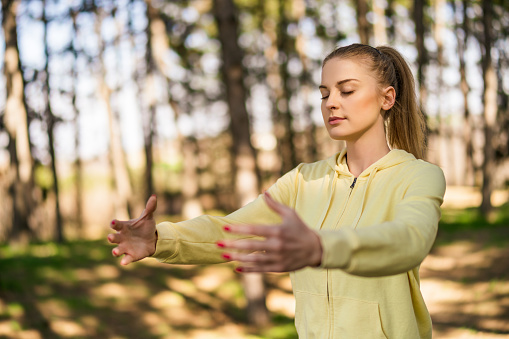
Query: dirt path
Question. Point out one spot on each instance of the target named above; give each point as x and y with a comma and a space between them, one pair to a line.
466, 284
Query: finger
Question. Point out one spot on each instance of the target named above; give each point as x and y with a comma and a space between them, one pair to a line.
252, 245
259, 230
260, 268
150, 207
115, 238
117, 252
127, 259
258, 258
274, 205
116, 225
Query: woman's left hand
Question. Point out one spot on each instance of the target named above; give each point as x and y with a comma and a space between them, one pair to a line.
287, 247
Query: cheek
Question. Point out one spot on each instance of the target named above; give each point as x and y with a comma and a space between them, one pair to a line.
369, 102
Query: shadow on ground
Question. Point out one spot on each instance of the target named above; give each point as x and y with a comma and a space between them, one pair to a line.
78, 290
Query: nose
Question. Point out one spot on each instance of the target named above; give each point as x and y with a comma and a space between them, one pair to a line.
332, 102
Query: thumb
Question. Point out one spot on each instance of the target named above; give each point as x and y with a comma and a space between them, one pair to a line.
150, 207
274, 205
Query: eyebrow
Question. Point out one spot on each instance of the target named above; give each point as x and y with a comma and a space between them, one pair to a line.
339, 83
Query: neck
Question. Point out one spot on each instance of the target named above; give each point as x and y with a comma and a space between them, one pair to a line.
361, 155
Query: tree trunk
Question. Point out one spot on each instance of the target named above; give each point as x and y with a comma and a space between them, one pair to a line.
20, 174
284, 118
469, 173
50, 125
246, 179
442, 128
363, 26
391, 32
422, 54
490, 109
78, 167
153, 28
117, 158
379, 26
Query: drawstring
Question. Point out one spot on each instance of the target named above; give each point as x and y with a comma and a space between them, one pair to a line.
332, 189
359, 212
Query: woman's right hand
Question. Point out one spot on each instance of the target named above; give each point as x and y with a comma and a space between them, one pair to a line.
136, 238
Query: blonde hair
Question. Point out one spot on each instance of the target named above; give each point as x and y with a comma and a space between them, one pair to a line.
405, 123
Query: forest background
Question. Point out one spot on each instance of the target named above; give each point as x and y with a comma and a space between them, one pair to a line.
206, 103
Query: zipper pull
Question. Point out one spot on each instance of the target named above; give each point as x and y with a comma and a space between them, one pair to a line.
353, 183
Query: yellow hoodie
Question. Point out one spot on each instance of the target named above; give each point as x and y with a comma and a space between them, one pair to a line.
375, 231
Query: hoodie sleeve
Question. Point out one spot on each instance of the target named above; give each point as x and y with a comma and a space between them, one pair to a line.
395, 246
194, 241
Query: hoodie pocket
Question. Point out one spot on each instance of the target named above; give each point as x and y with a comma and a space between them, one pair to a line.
356, 319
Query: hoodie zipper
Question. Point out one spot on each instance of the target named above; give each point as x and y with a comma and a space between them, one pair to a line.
353, 183
329, 277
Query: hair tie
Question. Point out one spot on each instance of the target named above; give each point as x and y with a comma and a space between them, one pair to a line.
376, 49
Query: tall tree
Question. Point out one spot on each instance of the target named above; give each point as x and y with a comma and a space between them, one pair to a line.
78, 166
117, 158
284, 118
490, 92
152, 28
51, 120
462, 35
380, 26
20, 173
246, 179
391, 15
422, 53
363, 25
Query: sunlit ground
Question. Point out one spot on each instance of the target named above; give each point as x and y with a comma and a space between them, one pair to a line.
78, 290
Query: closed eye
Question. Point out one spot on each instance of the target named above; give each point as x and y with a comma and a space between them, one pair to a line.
347, 93
325, 97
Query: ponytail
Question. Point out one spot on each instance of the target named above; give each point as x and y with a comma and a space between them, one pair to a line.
405, 123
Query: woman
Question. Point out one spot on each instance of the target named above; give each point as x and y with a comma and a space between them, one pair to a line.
352, 230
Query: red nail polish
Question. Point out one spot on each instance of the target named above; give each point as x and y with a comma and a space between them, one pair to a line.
220, 244
113, 222
239, 270
226, 256
227, 228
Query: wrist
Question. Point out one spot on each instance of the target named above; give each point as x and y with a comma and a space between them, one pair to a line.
317, 252
154, 243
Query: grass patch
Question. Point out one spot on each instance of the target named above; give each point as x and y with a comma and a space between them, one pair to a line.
78, 289
472, 219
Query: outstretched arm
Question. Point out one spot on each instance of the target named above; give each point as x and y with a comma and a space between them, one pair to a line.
136, 238
286, 247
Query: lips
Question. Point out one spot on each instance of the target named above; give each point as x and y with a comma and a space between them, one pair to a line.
335, 120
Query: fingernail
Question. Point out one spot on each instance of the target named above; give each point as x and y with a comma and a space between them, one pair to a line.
226, 256
220, 244
239, 270
115, 252
109, 237
227, 228
153, 195
113, 222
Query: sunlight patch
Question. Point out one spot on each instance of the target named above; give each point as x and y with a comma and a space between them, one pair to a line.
67, 328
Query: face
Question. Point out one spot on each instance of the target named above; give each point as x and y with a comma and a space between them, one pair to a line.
351, 101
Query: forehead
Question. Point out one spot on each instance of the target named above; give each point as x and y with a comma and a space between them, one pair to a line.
338, 69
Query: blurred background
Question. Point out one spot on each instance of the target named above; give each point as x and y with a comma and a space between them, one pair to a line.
206, 103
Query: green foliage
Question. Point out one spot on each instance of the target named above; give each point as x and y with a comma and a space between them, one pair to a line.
43, 177
471, 218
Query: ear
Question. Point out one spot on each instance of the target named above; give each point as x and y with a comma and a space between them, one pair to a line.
388, 98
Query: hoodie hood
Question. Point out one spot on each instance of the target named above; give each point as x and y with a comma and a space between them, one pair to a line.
395, 157
338, 164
